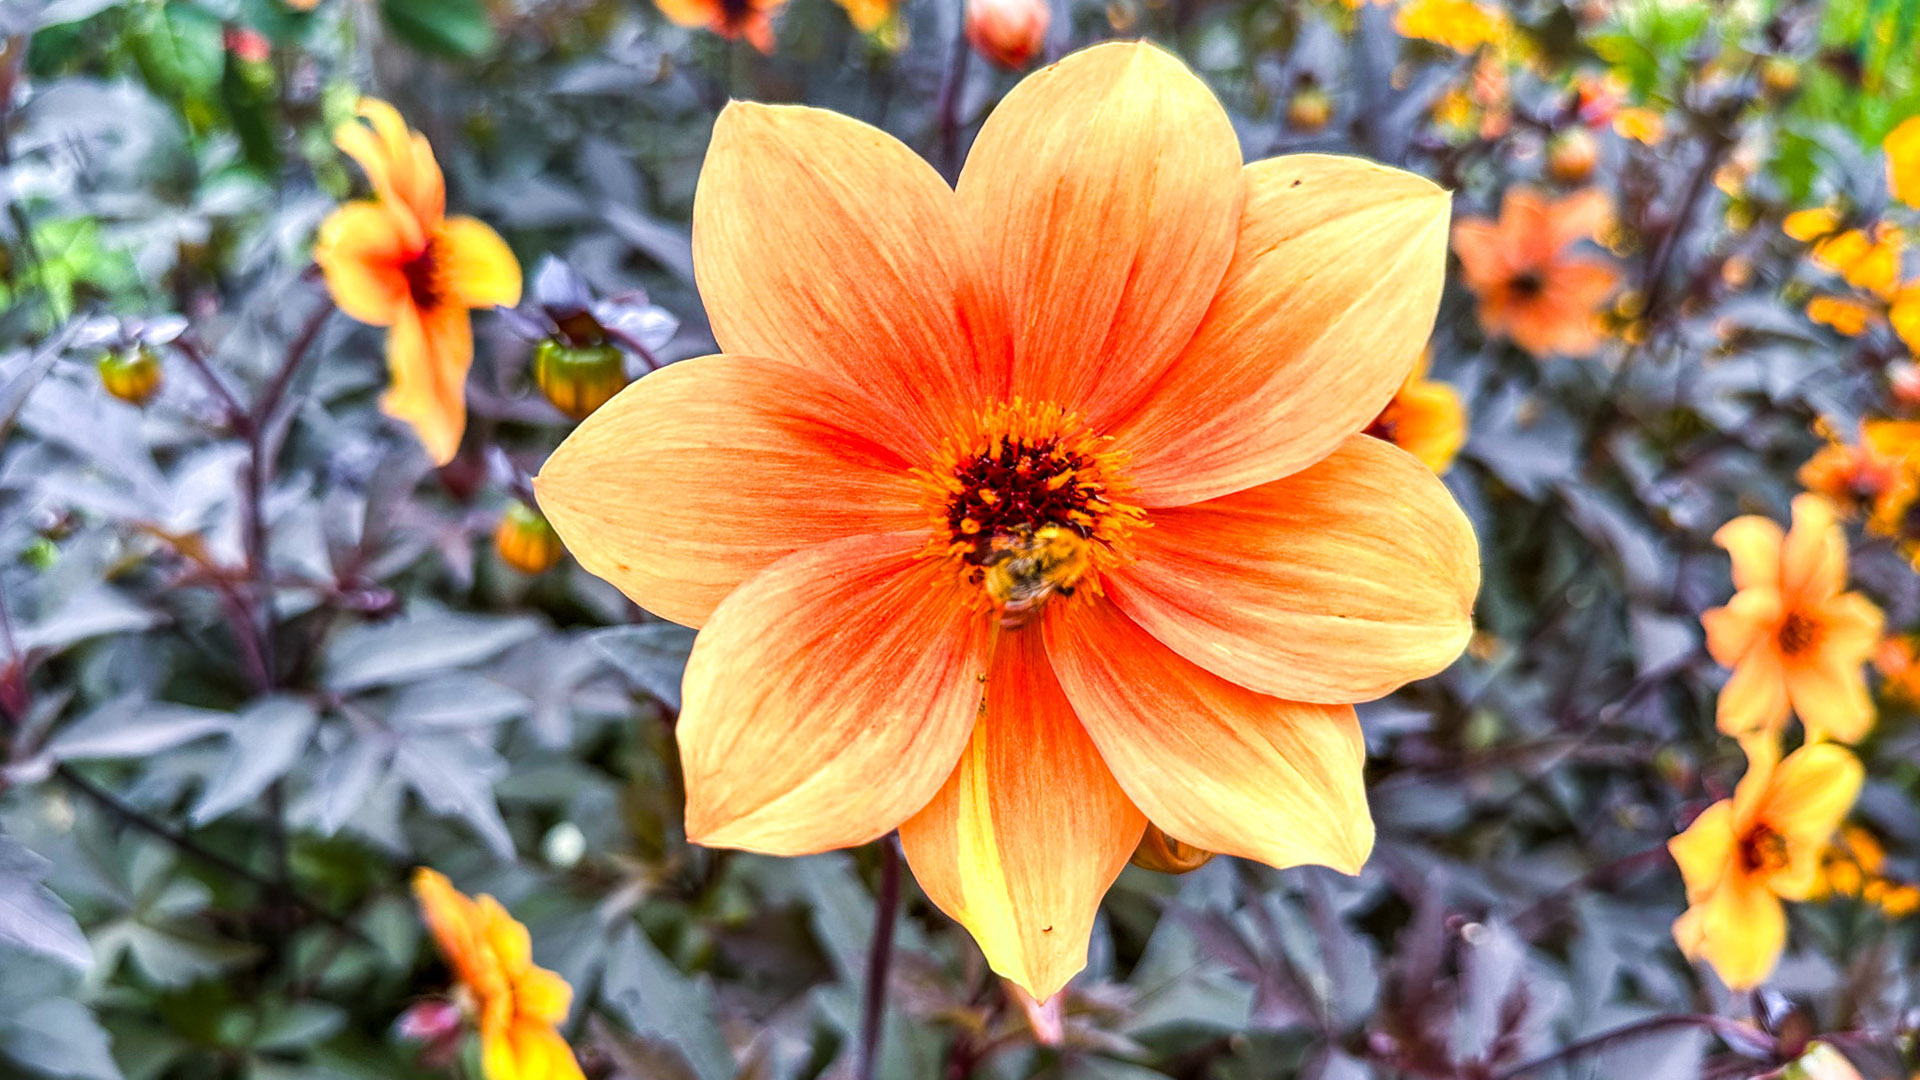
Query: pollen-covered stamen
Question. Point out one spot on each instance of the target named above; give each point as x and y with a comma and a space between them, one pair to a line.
1030, 504
423, 274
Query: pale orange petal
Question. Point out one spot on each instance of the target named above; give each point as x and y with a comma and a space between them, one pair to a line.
1830, 697
398, 161
1706, 850
1212, 763
1484, 261
1741, 931
1810, 793
826, 242
1324, 310
1582, 215
1337, 584
1752, 616
1028, 831
1853, 628
1754, 698
478, 267
428, 354
829, 696
1108, 190
1813, 561
525, 1049
361, 253
453, 920
707, 471
1754, 542
1579, 285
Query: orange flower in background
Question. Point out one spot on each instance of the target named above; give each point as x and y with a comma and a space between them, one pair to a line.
1425, 418
1641, 124
518, 1007
1795, 641
1873, 476
1849, 317
1532, 288
1742, 856
1017, 516
1902, 147
1008, 32
866, 15
751, 20
1898, 661
398, 261
1460, 25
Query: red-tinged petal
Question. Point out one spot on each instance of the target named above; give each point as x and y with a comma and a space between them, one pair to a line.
1754, 543
1323, 312
398, 162
478, 267
428, 354
361, 252
706, 472
1706, 851
829, 696
1754, 698
1484, 260
1212, 763
1108, 189
1029, 830
826, 242
1752, 616
1337, 584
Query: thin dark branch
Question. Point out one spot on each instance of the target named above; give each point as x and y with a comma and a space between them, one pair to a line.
269, 401
947, 157
1606, 1039
879, 960
196, 358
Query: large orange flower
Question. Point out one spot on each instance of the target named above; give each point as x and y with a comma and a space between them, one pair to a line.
1016, 516
398, 261
1744, 855
516, 1005
1795, 641
1532, 286
748, 19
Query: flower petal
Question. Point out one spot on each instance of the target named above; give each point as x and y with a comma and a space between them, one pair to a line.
1810, 793
1752, 616
1337, 584
1705, 850
1813, 561
706, 472
829, 696
1741, 930
1323, 312
822, 241
1029, 830
360, 251
398, 161
526, 1049
428, 354
1830, 696
1210, 762
1108, 189
1754, 542
1754, 698
478, 267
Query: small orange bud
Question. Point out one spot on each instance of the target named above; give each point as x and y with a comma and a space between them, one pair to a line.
1779, 76
1008, 32
1572, 155
578, 379
1309, 110
1158, 851
526, 541
131, 374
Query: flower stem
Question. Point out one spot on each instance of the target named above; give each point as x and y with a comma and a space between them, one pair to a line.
879, 960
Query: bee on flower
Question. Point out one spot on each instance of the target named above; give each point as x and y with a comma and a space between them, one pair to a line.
1533, 286
397, 260
993, 533
1797, 643
516, 1006
1743, 856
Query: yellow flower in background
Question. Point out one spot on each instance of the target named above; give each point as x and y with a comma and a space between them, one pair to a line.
1902, 146
398, 261
1460, 25
518, 1007
1876, 476
1853, 867
1641, 124
1742, 856
1811, 224
1795, 641
1425, 418
867, 15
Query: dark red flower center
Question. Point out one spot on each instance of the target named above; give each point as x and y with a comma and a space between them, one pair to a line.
1799, 633
1763, 850
423, 278
1528, 284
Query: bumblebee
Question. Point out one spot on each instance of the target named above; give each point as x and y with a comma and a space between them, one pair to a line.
1026, 567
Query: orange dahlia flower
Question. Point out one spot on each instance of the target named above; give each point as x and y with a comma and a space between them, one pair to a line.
1874, 476
1902, 146
1008, 32
517, 1006
1795, 641
1016, 516
1742, 856
748, 19
398, 261
1531, 287
1425, 418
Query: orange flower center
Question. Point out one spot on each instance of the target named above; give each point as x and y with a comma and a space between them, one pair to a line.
423, 277
1799, 633
1029, 505
1763, 851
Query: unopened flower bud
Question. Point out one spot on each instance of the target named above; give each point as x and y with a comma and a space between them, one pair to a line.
578, 378
1572, 155
1158, 851
1779, 76
1008, 32
526, 541
1309, 110
131, 374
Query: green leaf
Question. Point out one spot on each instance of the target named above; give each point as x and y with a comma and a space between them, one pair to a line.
457, 28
